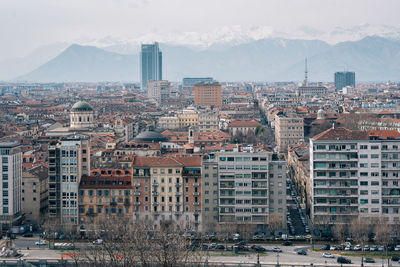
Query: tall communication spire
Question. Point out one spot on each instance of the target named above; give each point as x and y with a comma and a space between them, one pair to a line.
305, 75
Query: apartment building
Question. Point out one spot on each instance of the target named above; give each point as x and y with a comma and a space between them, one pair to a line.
159, 91
69, 160
10, 188
35, 194
168, 189
354, 173
209, 192
106, 195
251, 188
203, 120
289, 129
208, 94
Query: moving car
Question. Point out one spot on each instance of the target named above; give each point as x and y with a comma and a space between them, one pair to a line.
287, 243
258, 248
343, 260
41, 243
301, 252
276, 249
369, 260
28, 234
327, 255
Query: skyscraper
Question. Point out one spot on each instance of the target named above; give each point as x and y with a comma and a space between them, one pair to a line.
150, 64
11, 175
344, 78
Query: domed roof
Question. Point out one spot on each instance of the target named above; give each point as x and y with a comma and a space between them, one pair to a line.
81, 106
321, 111
321, 114
150, 136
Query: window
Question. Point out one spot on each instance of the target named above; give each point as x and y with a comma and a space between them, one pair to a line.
375, 156
363, 201
363, 165
363, 146
363, 192
363, 156
374, 182
364, 183
375, 201
374, 147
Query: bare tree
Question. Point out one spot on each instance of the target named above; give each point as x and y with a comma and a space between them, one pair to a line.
340, 231
384, 232
128, 244
274, 223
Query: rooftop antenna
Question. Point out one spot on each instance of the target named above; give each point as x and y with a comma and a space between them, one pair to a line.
305, 74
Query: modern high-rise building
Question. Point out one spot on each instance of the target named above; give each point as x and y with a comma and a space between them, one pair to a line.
208, 94
10, 187
150, 64
344, 78
69, 159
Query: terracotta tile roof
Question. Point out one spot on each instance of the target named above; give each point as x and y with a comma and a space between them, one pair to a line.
117, 182
384, 134
341, 133
251, 123
182, 161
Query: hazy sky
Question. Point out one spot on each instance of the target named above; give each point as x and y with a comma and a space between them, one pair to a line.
26, 24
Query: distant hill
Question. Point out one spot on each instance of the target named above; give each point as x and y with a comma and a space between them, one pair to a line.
372, 58
85, 64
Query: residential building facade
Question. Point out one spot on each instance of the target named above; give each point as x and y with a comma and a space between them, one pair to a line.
208, 94
354, 174
289, 129
11, 175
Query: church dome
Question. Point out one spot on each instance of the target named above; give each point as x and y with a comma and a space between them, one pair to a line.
81, 106
321, 114
150, 136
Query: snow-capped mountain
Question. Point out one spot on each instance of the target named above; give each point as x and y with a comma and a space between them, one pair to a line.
235, 35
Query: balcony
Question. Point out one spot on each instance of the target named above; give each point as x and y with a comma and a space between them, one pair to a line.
178, 203
113, 203
155, 203
178, 184
136, 184
136, 203
136, 193
154, 193
196, 203
178, 193
196, 213
177, 213
196, 193
92, 214
154, 184
196, 184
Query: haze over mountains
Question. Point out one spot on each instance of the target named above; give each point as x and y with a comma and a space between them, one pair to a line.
234, 55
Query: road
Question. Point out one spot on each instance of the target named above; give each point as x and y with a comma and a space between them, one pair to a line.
288, 256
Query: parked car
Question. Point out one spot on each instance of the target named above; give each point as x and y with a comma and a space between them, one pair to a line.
287, 243
220, 247
29, 234
98, 242
369, 260
213, 246
41, 243
326, 247
327, 255
301, 252
343, 260
236, 236
373, 248
395, 258
357, 248
381, 248
276, 249
397, 248
333, 247
366, 248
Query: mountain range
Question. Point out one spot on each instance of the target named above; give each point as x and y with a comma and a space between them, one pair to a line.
272, 59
